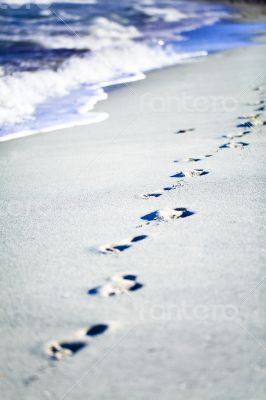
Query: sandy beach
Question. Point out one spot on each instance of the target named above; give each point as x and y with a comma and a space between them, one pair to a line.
130, 270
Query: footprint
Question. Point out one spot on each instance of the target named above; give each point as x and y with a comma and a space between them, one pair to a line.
175, 186
147, 196
159, 193
260, 88
250, 116
57, 350
184, 131
233, 145
117, 248
196, 159
260, 109
190, 173
250, 124
236, 135
192, 159
118, 284
258, 122
255, 103
167, 214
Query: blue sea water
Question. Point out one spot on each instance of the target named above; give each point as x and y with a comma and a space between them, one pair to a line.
57, 59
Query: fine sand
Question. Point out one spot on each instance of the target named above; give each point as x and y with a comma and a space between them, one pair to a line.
125, 275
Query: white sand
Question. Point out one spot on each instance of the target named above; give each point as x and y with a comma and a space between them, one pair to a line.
196, 329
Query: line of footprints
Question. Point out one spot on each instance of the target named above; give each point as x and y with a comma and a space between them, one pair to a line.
121, 284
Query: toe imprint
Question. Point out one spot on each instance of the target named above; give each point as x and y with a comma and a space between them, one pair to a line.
117, 248
235, 135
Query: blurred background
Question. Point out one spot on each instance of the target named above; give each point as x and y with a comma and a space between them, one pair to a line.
58, 59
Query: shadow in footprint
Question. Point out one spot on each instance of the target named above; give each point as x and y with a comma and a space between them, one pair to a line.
245, 125
150, 217
185, 212
130, 277
120, 247
74, 347
97, 330
184, 131
154, 195
137, 286
178, 175
94, 291
138, 238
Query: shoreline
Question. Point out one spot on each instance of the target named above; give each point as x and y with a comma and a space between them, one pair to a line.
102, 116
84, 120
70, 194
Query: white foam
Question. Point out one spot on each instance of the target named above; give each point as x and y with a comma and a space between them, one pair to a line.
91, 119
21, 93
100, 34
166, 14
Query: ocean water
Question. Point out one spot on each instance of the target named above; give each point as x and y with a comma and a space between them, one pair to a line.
57, 59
